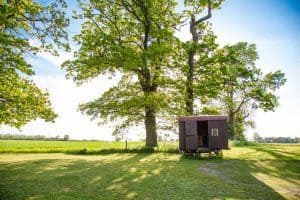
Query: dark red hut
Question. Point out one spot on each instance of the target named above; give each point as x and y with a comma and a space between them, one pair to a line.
206, 133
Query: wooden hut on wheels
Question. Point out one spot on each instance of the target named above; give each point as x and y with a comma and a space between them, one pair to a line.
203, 134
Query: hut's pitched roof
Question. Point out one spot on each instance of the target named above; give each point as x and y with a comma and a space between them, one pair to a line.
203, 118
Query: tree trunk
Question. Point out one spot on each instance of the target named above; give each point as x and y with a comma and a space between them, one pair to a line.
191, 62
189, 85
231, 111
150, 124
231, 125
150, 113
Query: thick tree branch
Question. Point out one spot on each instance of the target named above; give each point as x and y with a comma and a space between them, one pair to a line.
208, 14
245, 100
130, 9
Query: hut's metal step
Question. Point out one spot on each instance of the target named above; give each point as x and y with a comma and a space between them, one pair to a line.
203, 150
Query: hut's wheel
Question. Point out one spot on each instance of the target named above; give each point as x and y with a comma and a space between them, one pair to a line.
219, 153
216, 153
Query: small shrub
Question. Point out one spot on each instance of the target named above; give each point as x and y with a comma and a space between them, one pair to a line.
82, 151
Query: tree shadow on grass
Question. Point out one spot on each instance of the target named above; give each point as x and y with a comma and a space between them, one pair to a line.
275, 168
284, 165
129, 176
119, 150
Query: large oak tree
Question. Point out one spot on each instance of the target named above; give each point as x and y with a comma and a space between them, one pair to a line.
245, 87
135, 38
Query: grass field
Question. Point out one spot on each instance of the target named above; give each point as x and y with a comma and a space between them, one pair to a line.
34, 146
256, 172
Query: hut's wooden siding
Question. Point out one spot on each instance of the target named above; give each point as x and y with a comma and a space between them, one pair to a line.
188, 133
220, 141
191, 135
182, 136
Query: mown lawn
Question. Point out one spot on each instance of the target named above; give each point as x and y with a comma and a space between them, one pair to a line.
257, 172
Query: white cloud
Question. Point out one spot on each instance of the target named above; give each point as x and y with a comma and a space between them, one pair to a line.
284, 121
65, 97
56, 60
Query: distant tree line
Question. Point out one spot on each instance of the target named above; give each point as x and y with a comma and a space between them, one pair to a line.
260, 139
32, 137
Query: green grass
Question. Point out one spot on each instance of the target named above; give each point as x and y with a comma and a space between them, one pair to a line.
78, 147
252, 172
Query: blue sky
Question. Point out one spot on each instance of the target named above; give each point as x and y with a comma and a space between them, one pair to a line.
273, 25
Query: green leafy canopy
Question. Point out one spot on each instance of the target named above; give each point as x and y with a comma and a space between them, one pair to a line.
245, 87
21, 21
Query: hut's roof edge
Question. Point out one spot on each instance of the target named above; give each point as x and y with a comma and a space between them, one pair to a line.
202, 117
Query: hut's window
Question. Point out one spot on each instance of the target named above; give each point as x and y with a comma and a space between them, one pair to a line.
214, 132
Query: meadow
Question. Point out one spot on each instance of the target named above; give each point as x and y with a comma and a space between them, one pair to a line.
248, 172
81, 147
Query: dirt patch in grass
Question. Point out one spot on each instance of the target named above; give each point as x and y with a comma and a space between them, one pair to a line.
213, 169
